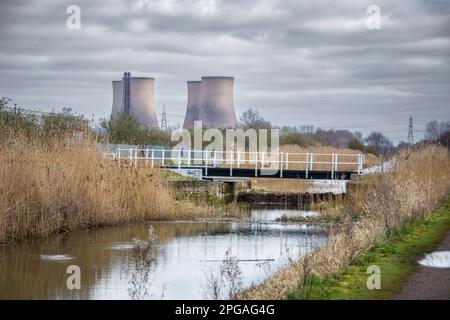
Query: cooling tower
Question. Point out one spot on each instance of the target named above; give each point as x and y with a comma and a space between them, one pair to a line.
117, 99
193, 103
142, 101
217, 105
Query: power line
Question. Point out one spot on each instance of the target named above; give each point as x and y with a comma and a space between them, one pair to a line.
164, 119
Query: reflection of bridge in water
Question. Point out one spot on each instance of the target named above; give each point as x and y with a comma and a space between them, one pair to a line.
214, 164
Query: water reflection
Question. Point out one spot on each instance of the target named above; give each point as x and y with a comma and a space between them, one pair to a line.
183, 253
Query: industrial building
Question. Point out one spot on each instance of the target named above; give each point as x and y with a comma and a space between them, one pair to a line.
194, 90
211, 101
134, 95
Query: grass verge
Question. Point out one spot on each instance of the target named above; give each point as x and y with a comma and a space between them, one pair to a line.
396, 256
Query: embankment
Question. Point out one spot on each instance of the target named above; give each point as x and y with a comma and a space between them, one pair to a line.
302, 200
418, 183
396, 257
205, 191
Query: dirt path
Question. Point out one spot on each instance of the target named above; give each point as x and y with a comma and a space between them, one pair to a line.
428, 283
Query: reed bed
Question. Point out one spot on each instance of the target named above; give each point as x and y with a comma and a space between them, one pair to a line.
418, 183
50, 185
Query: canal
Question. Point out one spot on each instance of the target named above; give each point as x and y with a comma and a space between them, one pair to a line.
185, 258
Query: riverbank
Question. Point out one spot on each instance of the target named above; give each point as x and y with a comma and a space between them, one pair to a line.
55, 185
430, 283
418, 182
302, 200
396, 257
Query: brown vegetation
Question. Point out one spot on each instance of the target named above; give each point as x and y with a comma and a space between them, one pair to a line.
418, 183
53, 185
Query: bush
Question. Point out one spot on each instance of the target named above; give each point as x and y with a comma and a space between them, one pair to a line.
125, 129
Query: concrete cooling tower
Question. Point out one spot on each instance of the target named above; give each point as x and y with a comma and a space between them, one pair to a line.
193, 103
216, 102
136, 98
142, 103
117, 106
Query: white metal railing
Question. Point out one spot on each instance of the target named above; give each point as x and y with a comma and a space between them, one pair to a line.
238, 159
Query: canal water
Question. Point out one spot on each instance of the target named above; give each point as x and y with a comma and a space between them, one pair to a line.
185, 257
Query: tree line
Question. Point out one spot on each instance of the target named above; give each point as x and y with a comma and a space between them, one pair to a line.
125, 129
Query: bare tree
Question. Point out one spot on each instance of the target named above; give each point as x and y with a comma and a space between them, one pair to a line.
380, 143
252, 119
434, 130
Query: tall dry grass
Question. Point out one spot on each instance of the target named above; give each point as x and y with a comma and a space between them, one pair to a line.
49, 185
418, 183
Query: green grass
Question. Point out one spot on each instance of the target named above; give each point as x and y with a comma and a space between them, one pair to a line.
397, 258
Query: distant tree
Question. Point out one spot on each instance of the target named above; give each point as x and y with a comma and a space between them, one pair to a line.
300, 139
4, 102
60, 124
444, 139
380, 143
252, 119
435, 129
126, 129
358, 136
403, 145
288, 130
336, 138
355, 144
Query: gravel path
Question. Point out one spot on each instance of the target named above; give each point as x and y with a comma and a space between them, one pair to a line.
428, 283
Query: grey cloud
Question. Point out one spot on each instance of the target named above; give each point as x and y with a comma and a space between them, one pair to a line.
296, 61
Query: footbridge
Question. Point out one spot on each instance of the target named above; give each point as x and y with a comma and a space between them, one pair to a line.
206, 164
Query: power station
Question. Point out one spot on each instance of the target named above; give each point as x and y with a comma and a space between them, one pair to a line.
217, 102
134, 95
209, 100
194, 91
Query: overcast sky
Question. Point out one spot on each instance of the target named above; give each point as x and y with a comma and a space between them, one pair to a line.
297, 62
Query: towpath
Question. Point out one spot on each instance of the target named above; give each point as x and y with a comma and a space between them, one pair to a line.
428, 283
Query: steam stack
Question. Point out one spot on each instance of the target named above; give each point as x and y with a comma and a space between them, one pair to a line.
193, 103
134, 95
216, 102
117, 107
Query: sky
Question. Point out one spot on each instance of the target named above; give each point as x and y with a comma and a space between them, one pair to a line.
296, 62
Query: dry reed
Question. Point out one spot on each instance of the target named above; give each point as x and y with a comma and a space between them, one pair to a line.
418, 183
50, 185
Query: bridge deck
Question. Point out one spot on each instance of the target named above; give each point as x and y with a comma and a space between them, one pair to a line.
249, 164
212, 172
